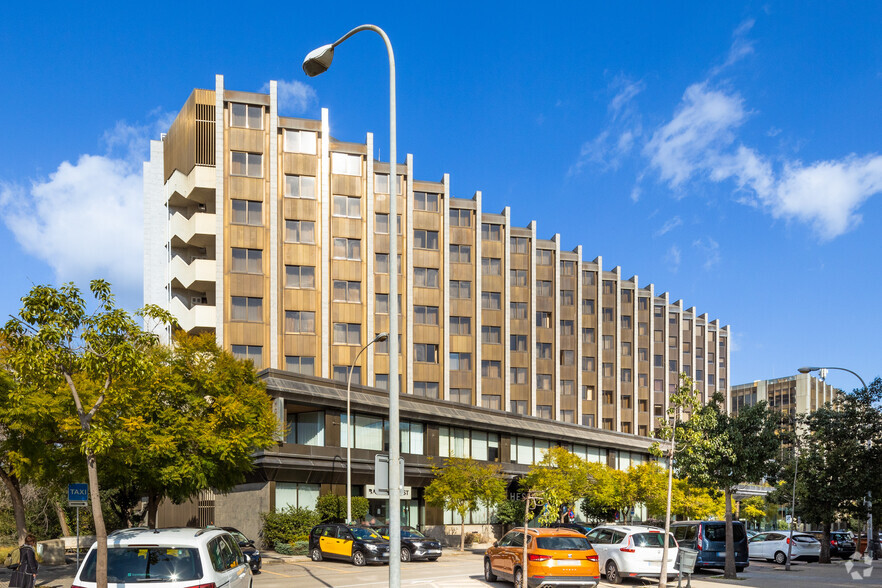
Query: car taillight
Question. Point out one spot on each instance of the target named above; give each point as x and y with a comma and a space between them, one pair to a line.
698, 541
628, 548
833, 542
75, 586
592, 558
788, 540
209, 585
538, 557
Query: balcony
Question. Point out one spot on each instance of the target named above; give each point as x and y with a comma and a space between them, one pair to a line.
197, 186
199, 230
199, 274
198, 319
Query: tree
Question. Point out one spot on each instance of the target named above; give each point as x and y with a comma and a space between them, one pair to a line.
332, 508
462, 485
99, 356
561, 478
510, 512
721, 451
648, 485
753, 509
608, 491
696, 503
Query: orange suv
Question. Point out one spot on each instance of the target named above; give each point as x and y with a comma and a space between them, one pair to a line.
555, 557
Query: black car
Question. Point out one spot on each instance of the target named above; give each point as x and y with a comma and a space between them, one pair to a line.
360, 545
247, 546
414, 545
574, 526
841, 543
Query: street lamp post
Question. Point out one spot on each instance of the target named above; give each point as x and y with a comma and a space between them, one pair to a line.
663, 576
380, 337
792, 508
316, 62
870, 534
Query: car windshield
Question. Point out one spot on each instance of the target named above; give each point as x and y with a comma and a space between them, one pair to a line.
717, 532
564, 543
412, 534
146, 564
239, 537
364, 533
651, 540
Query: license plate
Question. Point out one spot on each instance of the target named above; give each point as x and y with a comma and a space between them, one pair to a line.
721, 554
433, 551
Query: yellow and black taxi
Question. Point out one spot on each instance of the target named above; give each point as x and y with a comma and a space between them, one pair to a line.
360, 545
414, 545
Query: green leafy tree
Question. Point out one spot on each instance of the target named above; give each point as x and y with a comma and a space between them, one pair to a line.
510, 512
561, 478
463, 485
287, 526
648, 484
695, 503
753, 509
332, 508
98, 356
608, 492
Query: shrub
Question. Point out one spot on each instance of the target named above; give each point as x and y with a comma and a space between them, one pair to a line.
287, 526
332, 508
300, 547
284, 548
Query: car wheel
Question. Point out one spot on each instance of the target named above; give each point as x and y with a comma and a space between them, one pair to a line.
519, 578
358, 558
405, 554
780, 558
316, 554
489, 576
739, 569
612, 573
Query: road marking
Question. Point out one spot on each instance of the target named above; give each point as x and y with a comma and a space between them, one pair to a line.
266, 571
415, 582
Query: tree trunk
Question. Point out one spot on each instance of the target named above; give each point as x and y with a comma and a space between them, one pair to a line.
825, 544
730, 573
98, 520
152, 508
462, 534
14, 487
62, 519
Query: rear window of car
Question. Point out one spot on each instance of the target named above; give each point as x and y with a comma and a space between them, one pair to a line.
564, 543
147, 564
651, 540
805, 539
717, 532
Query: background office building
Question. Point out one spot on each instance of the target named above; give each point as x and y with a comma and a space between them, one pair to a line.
274, 236
792, 395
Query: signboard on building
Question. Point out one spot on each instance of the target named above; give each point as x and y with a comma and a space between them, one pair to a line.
371, 491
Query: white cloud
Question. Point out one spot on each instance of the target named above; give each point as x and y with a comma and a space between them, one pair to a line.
670, 225
294, 97
85, 220
672, 258
710, 249
741, 47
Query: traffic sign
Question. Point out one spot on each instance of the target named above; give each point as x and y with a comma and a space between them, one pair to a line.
381, 472
78, 494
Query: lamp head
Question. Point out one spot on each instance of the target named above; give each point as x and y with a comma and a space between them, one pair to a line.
808, 370
381, 337
318, 60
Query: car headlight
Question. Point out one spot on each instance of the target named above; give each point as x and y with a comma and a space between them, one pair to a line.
371, 546
256, 553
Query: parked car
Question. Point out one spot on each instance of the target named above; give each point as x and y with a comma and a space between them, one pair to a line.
752, 534
555, 557
574, 526
773, 547
252, 554
414, 545
632, 551
174, 558
841, 543
708, 538
360, 545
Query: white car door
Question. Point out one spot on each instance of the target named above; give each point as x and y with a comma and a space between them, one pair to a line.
756, 546
599, 539
238, 564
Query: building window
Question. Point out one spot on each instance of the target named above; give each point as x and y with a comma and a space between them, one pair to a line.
699, 376
253, 353
607, 370
306, 428
425, 277
626, 401
543, 411
543, 288
659, 311
518, 342
543, 319
491, 335
347, 206
658, 385
460, 361
491, 266
494, 402
588, 393
300, 321
346, 248
543, 350
626, 349
588, 364
588, 335
567, 328
519, 407
246, 116
543, 381
518, 375
345, 291
426, 315
626, 321
425, 352
609, 287
299, 276
347, 333
425, 239
544, 256
699, 353
566, 297
672, 342
460, 325
518, 277
247, 212
672, 320
687, 347
346, 164
460, 289
460, 217
607, 396
491, 369
300, 364
567, 268
687, 369
490, 232
462, 395
587, 306
626, 296
425, 201
381, 223
607, 342
643, 303
588, 420
382, 263
247, 309
518, 310
296, 495
300, 187
642, 329
567, 357
341, 374
658, 335
381, 183
520, 245
710, 379
588, 278
247, 261
672, 365
383, 346
643, 380
460, 253
300, 142
246, 164
300, 231
643, 354
608, 315
658, 361
626, 375
426, 389
491, 300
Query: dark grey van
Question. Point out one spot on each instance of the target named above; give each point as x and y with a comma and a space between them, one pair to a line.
708, 538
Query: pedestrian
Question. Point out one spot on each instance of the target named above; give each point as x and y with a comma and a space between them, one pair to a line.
26, 574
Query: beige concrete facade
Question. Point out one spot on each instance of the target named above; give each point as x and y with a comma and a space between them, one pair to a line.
799, 394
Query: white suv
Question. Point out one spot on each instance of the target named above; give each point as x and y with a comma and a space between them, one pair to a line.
169, 558
631, 551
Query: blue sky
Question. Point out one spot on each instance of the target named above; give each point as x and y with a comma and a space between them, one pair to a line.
729, 153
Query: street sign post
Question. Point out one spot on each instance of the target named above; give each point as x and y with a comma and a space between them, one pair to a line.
381, 473
78, 496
